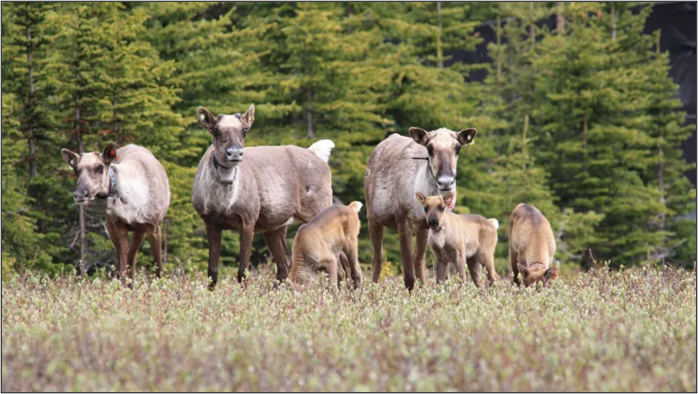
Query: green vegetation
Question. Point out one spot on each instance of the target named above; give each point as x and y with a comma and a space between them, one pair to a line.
633, 330
581, 121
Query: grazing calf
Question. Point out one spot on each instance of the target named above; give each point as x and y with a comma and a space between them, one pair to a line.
320, 243
531, 246
256, 190
459, 239
397, 169
138, 193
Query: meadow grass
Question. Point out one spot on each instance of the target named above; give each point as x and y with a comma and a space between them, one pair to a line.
628, 331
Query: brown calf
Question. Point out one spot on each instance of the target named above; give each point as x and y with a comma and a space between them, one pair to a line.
459, 239
319, 244
531, 246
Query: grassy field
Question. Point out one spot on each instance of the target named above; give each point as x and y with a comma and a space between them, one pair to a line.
633, 330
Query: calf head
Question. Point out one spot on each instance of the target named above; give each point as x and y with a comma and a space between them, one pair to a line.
536, 272
228, 132
443, 146
434, 208
92, 170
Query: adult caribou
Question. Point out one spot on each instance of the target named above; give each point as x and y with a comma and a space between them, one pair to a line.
271, 188
399, 168
138, 194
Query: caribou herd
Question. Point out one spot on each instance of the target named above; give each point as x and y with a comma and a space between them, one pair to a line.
409, 187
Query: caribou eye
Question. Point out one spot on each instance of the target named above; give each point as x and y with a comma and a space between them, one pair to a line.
457, 148
430, 149
244, 131
426, 209
100, 169
442, 208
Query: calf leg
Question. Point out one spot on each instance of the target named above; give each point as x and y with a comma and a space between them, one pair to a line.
487, 260
406, 253
136, 242
460, 264
275, 241
420, 251
352, 258
441, 270
474, 268
246, 237
376, 231
342, 268
514, 260
155, 239
213, 234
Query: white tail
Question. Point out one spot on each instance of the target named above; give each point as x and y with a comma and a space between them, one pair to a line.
495, 222
356, 205
322, 149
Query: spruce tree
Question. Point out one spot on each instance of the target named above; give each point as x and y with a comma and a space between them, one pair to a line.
666, 127
591, 107
23, 43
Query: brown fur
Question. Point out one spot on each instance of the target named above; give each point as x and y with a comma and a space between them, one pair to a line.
459, 239
319, 244
397, 169
140, 203
261, 191
531, 246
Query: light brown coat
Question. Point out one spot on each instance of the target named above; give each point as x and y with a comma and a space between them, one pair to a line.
318, 245
459, 239
531, 246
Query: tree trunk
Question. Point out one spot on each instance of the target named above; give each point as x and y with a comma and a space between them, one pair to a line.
523, 153
660, 167
560, 18
499, 55
30, 120
81, 217
309, 113
532, 27
439, 50
584, 138
613, 22
164, 241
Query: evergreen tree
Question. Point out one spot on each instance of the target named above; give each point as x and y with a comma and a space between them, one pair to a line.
591, 105
23, 44
666, 128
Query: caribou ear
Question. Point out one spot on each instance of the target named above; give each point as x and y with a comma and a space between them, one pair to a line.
466, 136
248, 117
109, 154
551, 273
420, 136
421, 197
206, 119
70, 157
523, 269
448, 200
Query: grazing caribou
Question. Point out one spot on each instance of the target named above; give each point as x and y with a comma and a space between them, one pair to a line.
398, 168
256, 190
138, 193
531, 246
320, 242
460, 239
